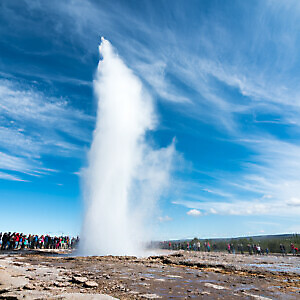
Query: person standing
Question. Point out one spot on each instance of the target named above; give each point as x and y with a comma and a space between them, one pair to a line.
228, 248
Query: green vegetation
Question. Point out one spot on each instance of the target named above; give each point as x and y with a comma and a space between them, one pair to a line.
270, 242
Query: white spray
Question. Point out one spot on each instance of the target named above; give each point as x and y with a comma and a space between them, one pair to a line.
125, 176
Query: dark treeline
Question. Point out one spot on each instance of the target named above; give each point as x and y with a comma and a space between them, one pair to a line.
288, 243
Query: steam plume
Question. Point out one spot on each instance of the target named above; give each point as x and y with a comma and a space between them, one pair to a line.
125, 176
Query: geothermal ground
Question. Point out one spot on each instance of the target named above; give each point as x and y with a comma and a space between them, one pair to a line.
51, 275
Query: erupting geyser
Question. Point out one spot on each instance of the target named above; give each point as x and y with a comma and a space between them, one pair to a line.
125, 176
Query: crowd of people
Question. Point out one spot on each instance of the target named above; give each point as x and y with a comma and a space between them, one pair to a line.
15, 240
186, 246
252, 249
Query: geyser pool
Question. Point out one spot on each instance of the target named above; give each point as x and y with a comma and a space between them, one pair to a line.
125, 176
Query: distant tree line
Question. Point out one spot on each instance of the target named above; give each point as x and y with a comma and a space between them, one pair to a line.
267, 244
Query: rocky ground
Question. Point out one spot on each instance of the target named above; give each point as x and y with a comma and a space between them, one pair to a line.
181, 275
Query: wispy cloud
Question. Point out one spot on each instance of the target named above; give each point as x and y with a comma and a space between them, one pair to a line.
270, 179
6, 176
243, 208
166, 57
154, 75
28, 105
32, 125
210, 72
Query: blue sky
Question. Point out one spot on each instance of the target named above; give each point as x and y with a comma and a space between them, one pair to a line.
224, 76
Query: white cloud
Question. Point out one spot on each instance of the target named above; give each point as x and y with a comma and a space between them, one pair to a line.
26, 106
194, 213
269, 86
241, 208
268, 184
218, 192
14, 163
10, 177
154, 74
195, 57
193, 61
31, 125
294, 202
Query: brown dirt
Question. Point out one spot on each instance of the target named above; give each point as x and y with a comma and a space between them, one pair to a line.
181, 275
